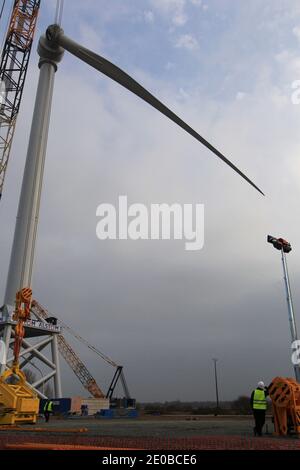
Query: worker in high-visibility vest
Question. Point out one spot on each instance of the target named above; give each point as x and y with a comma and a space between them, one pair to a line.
259, 407
48, 409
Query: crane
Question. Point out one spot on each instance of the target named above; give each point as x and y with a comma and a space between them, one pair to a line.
18, 402
13, 70
76, 364
119, 373
70, 356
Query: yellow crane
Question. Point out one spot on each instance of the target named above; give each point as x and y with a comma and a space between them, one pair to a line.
18, 402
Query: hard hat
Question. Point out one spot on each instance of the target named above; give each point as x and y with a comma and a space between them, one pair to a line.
261, 384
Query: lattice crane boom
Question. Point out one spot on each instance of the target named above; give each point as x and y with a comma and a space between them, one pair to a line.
79, 369
13, 70
119, 372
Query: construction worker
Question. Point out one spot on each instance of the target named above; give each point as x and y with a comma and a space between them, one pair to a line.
259, 406
48, 409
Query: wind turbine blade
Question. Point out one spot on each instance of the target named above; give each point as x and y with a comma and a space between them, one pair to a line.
121, 77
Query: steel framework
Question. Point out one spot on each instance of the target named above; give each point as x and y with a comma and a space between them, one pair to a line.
79, 369
13, 70
39, 335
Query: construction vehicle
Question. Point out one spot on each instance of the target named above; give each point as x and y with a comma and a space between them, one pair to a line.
119, 372
13, 70
79, 369
285, 396
72, 359
119, 375
18, 402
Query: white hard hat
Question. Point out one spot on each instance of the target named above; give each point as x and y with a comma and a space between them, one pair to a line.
261, 384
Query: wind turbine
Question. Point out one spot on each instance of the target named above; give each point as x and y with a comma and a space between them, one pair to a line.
51, 50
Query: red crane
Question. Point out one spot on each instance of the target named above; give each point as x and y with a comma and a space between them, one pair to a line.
13, 70
79, 369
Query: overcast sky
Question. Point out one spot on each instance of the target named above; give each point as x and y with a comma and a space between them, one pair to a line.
227, 68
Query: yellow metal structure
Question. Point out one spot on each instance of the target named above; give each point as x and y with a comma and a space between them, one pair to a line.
18, 401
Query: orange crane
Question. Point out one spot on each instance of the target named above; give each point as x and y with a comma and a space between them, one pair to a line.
67, 352
79, 369
13, 70
119, 372
18, 402
285, 395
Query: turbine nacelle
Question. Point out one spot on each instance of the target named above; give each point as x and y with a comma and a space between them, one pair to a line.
48, 49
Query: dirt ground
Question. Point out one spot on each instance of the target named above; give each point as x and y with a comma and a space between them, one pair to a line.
172, 426
156, 433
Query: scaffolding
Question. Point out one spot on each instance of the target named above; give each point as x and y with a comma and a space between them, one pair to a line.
39, 335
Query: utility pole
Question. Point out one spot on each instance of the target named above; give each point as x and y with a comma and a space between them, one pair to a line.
285, 247
216, 383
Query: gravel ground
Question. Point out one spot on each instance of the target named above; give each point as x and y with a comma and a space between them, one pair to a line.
160, 427
156, 434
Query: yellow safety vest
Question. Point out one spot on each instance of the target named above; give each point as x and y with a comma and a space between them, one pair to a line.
259, 400
48, 406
